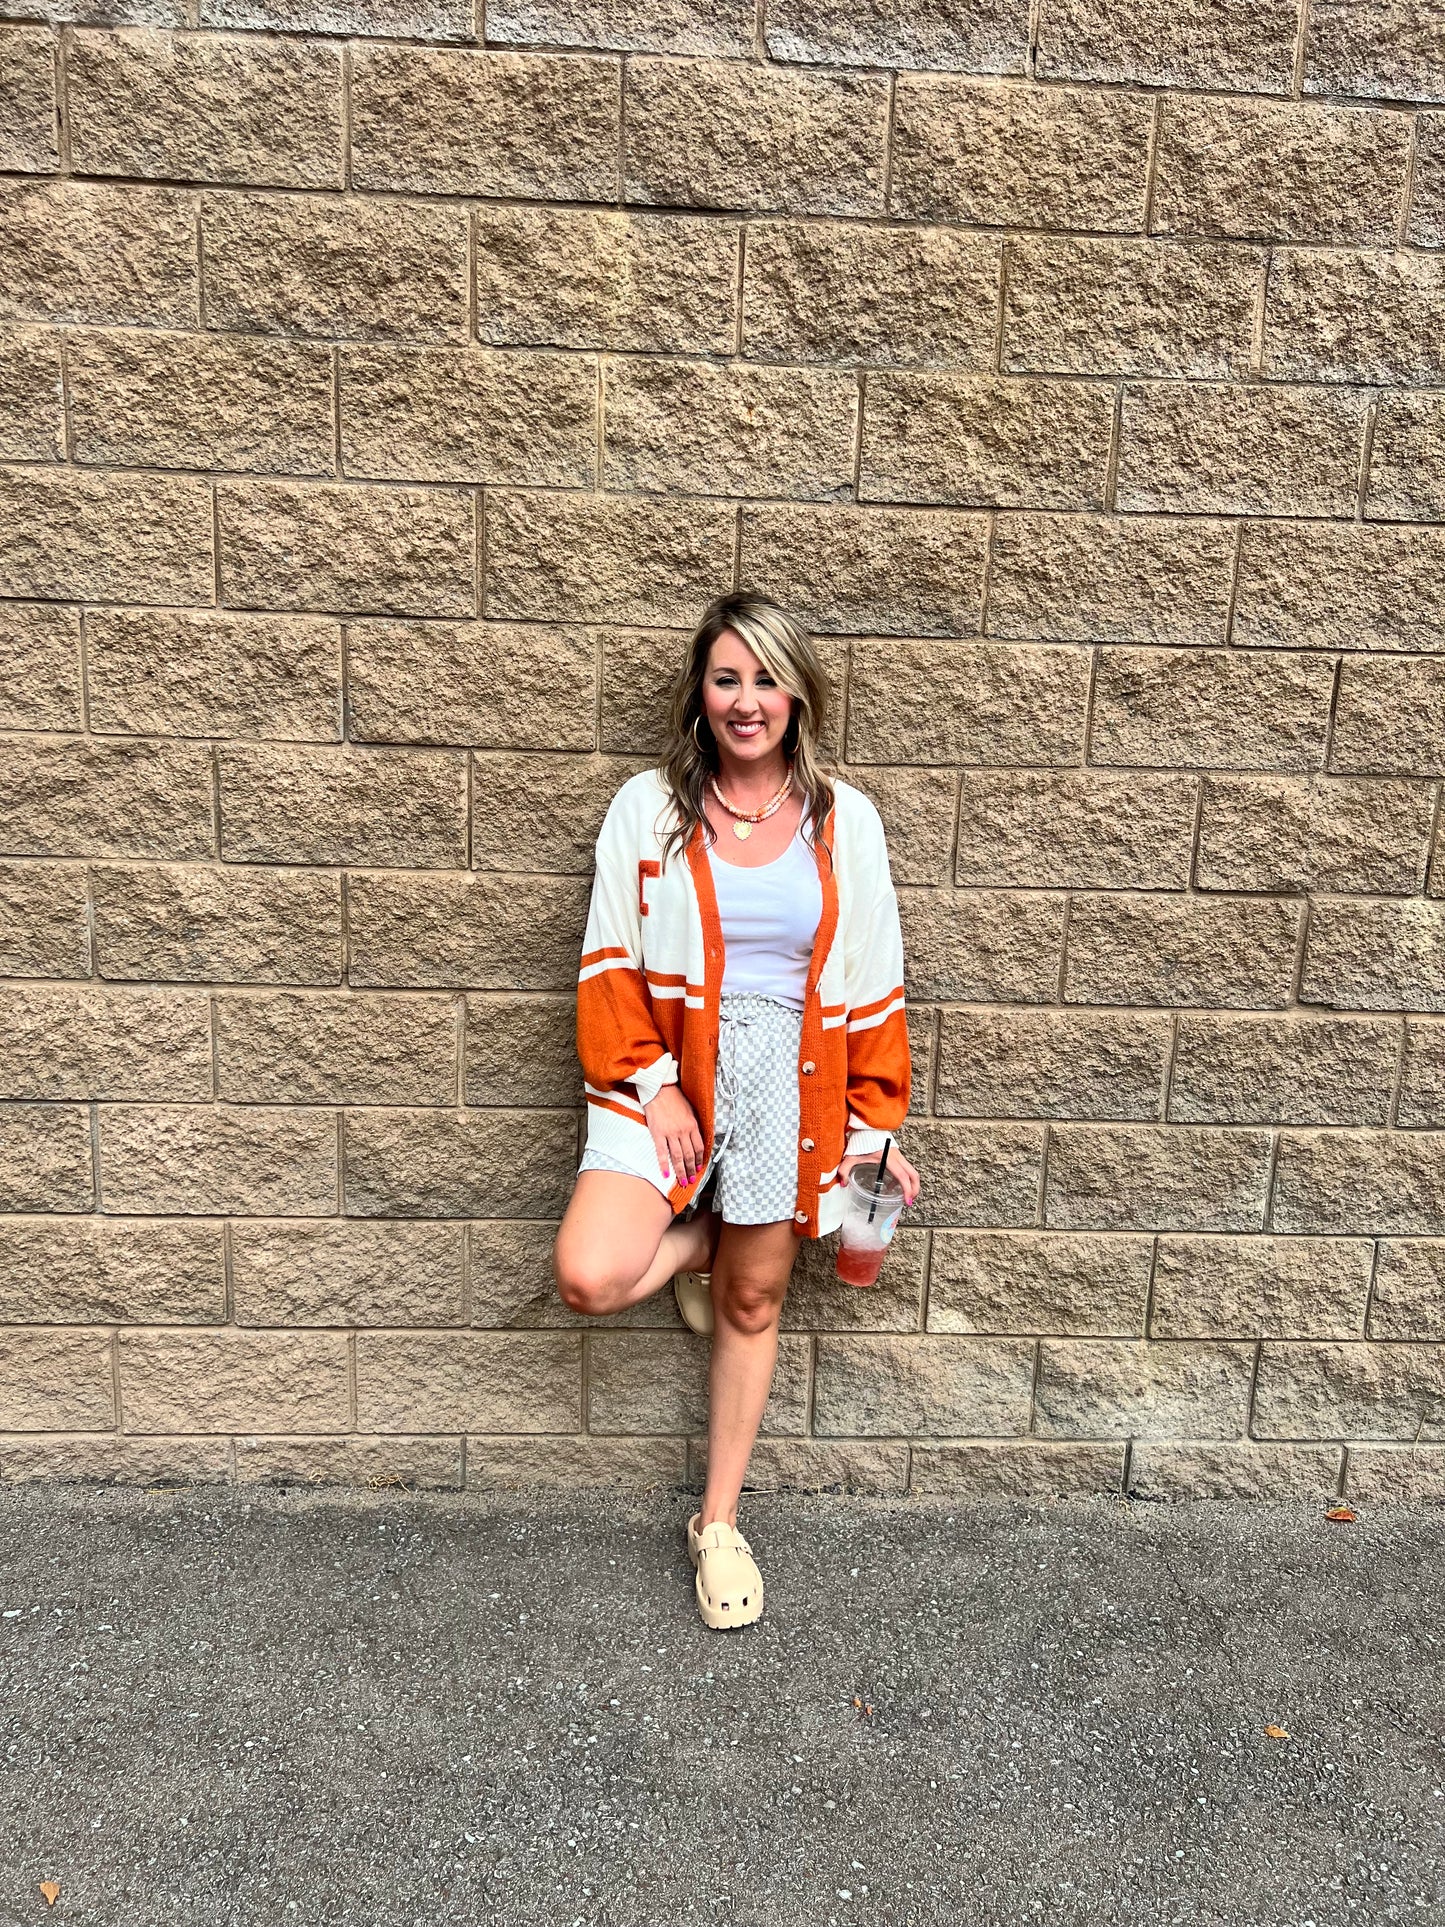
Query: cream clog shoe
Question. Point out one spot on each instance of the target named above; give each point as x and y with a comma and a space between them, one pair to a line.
693, 1290
729, 1586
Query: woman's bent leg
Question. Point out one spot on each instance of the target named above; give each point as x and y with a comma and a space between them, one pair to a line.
749, 1281
619, 1243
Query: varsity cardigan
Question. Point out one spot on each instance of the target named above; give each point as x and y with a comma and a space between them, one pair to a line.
651, 978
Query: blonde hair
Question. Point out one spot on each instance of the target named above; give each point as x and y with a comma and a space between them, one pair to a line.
786, 651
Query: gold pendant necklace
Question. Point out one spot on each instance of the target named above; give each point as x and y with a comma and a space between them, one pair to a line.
743, 820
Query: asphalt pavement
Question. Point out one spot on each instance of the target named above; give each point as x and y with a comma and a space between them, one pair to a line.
219, 1707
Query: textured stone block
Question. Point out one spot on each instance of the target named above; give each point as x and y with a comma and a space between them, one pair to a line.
45, 1161
1422, 1076
1111, 1387
1236, 1471
234, 1381
1375, 956
656, 26
84, 1043
1350, 1391
39, 667
28, 142
75, 796
983, 441
1383, 1474
953, 702
466, 932
336, 1049
523, 126
1095, 307
65, 533
700, 428
390, 1464
201, 401
1018, 156
205, 107
1031, 1281
295, 264
814, 1465
1260, 1287
198, 1160
1283, 1070
916, 806
345, 1273
1408, 1301
111, 256
487, 684
976, 1174
397, 808
1407, 459
989, 37
1188, 43
1347, 316
818, 1300
779, 138
1426, 225
107, 1459
44, 920
1386, 1183
55, 1380
578, 278
1181, 950
1268, 833
468, 415
565, 558
522, 1050
215, 925
657, 1382
983, 946
459, 1164
898, 297
375, 551
1210, 709
169, 672
1191, 448
638, 666
1390, 717
426, 19
1319, 587
938, 1387
1159, 1177
872, 571
1026, 1063
1275, 171
1385, 49
1081, 829
1020, 1469
100, 1271
32, 425
541, 813
500, 1464
1080, 578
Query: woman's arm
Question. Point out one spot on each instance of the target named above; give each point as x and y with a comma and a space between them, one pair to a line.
879, 1061
617, 1036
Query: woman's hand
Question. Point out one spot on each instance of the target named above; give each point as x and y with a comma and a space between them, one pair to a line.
673, 1124
898, 1167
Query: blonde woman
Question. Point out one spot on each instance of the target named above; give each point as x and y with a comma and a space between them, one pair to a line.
741, 1028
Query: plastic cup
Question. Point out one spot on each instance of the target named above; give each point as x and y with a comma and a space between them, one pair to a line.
863, 1242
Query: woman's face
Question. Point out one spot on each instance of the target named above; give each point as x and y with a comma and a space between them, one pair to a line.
745, 709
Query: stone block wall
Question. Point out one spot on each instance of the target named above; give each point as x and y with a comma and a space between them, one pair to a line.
384, 388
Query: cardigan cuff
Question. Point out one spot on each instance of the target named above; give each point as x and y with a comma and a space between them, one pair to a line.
863, 1143
647, 1083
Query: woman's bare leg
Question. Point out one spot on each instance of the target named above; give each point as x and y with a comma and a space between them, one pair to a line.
749, 1281
619, 1243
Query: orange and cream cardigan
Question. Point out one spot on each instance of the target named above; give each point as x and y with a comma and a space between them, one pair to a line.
651, 979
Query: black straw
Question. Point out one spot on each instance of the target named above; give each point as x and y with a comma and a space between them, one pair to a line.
878, 1183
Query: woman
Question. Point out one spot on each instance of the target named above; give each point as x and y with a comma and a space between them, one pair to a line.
741, 1028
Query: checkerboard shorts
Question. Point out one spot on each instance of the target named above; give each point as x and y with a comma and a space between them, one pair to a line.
754, 1167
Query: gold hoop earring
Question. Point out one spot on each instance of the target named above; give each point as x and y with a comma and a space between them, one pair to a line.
697, 740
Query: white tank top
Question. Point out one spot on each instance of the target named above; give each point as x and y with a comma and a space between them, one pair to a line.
770, 916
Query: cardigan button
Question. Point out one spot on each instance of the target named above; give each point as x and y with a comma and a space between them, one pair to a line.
800, 1217
809, 1068
808, 1144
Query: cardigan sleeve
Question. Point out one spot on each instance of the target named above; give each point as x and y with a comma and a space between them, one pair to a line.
879, 1062
617, 1036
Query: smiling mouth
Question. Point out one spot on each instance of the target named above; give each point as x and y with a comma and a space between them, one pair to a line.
746, 729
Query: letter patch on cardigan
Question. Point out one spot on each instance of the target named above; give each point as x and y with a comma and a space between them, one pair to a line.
646, 868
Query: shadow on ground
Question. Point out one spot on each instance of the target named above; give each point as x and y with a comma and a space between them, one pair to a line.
380, 1709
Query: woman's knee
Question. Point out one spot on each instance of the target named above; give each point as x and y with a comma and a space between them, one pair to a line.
752, 1303
586, 1282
